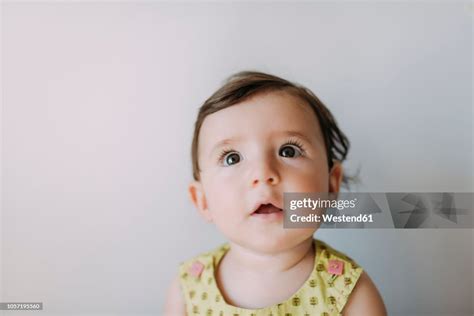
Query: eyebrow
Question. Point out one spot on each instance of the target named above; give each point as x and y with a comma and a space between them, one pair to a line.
297, 134
223, 142
229, 141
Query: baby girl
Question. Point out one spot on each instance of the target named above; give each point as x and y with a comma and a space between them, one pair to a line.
255, 138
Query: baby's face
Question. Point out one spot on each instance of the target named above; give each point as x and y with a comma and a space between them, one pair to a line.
250, 154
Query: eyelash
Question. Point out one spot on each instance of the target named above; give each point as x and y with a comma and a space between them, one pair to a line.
223, 153
296, 143
293, 142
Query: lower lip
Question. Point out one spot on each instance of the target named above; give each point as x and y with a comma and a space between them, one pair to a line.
269, 216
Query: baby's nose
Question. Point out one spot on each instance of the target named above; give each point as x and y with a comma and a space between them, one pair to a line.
265, 174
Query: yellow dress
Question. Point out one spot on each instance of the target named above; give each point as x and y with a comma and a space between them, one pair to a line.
323, 294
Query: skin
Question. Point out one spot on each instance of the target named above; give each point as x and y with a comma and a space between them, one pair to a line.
241, 162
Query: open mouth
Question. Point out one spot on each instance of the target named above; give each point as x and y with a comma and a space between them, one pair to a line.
267, 209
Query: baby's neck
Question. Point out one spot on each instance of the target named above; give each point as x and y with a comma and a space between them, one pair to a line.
261, 263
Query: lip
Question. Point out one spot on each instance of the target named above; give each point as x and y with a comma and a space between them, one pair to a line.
265, 201
270, 217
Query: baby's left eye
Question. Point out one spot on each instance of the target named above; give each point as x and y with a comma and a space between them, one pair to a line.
290, 151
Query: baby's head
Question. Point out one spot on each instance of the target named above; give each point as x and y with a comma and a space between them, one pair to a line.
255, 138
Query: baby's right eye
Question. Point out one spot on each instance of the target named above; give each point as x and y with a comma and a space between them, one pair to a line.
230, 158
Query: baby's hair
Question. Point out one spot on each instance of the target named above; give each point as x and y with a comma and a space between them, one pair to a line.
241, 86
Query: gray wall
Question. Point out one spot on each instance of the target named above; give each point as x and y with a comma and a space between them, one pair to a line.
97, 113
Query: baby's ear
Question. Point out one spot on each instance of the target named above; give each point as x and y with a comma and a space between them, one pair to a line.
335, 177
197, 196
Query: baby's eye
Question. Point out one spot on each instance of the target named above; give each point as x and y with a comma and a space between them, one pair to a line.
231, 159
290, 151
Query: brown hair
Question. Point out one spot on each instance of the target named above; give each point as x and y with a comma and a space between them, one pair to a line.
242, 85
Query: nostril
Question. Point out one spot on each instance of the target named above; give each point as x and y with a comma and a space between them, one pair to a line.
270, 180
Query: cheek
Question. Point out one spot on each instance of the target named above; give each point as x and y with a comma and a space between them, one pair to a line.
312, 177
222, 192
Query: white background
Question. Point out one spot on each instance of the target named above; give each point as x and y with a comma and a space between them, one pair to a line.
98, 106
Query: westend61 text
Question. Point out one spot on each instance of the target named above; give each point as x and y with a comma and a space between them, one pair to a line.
329, 218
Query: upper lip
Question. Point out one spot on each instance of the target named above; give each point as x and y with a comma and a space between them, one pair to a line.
273, 201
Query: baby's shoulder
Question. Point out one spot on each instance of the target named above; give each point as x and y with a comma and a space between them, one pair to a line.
336, 274
366, 298
202, 262
327, 253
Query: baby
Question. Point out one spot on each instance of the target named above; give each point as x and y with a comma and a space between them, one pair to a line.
255, 138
